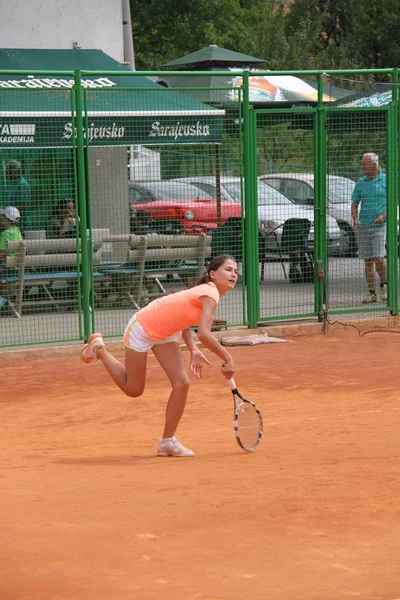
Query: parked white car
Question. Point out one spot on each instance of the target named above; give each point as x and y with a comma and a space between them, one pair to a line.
299, 187
274, 208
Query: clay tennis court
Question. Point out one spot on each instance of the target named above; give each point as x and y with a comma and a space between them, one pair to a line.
88, 512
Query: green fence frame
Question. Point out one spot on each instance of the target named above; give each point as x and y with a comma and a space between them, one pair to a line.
248, 139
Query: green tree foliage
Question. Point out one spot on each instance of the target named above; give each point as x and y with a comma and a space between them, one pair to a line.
254, 27
373, 34
311, 34
282, 147
164, 32
353, 33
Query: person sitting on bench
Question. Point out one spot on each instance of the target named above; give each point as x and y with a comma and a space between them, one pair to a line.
9, 222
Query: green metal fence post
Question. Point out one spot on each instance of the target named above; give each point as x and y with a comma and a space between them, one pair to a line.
320, 196
82, 204
251, 208
89, 222
76, 198
393, 197
241, 145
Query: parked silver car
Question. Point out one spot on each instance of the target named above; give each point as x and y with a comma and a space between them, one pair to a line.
274, 208
299, 187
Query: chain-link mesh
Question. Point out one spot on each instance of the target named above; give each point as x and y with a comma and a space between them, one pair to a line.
285, 153
171, 189
149, 225
41, 278
357, 278
133, 202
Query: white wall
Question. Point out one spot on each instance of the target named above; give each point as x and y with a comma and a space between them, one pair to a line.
109, 193
57, 24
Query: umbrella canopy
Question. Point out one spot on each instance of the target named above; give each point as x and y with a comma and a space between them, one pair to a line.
264, 88
36, 110
374, 97
213, 56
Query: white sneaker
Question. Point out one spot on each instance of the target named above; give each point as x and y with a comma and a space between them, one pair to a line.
88, 352
171, 447
384, 293
369, 299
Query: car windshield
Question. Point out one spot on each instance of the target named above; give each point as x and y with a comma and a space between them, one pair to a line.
340, 191
266, 193
171, 190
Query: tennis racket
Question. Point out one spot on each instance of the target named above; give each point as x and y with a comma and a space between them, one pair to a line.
247, 420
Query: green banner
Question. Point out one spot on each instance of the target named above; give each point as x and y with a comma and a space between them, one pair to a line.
50, 132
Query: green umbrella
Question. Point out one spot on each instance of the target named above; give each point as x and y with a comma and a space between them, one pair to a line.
212, 55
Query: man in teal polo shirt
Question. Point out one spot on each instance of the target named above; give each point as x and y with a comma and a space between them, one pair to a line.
370, 193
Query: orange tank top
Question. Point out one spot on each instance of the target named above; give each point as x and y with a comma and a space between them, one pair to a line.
169, 314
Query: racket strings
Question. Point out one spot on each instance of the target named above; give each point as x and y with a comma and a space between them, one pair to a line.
248, 425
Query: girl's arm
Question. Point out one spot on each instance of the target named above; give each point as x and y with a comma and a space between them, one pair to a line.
208, 339
188, 339
197, 358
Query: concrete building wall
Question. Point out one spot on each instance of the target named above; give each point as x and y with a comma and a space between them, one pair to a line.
109, 194
90, 24
57, 24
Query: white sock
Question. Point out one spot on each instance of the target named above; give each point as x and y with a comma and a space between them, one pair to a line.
96, 348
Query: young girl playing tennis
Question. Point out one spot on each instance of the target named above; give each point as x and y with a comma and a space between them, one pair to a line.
158, 327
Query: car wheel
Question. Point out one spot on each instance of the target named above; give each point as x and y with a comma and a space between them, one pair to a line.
167, 227
348, 242
140, 222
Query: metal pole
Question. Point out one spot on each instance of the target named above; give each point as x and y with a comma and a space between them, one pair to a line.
129, 55
320, 199
218, 185
82, 204
393, 196
251, 208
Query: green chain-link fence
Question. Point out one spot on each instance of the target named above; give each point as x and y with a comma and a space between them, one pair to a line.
125, 192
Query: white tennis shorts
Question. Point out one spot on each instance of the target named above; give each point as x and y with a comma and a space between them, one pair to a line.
371, 241
137, 339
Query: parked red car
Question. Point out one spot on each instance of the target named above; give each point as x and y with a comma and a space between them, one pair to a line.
174, 207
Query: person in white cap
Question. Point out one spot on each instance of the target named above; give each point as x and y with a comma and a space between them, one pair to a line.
9, 223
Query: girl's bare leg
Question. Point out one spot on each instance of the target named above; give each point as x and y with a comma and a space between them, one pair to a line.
171, 359
130, 378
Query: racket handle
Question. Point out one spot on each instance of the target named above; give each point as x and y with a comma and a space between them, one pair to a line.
231, 381
232, 384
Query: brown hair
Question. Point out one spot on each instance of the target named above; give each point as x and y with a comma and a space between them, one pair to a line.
215, 264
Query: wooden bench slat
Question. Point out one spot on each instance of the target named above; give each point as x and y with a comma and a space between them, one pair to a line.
171, 251
49, 260
52, 245
163, 254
